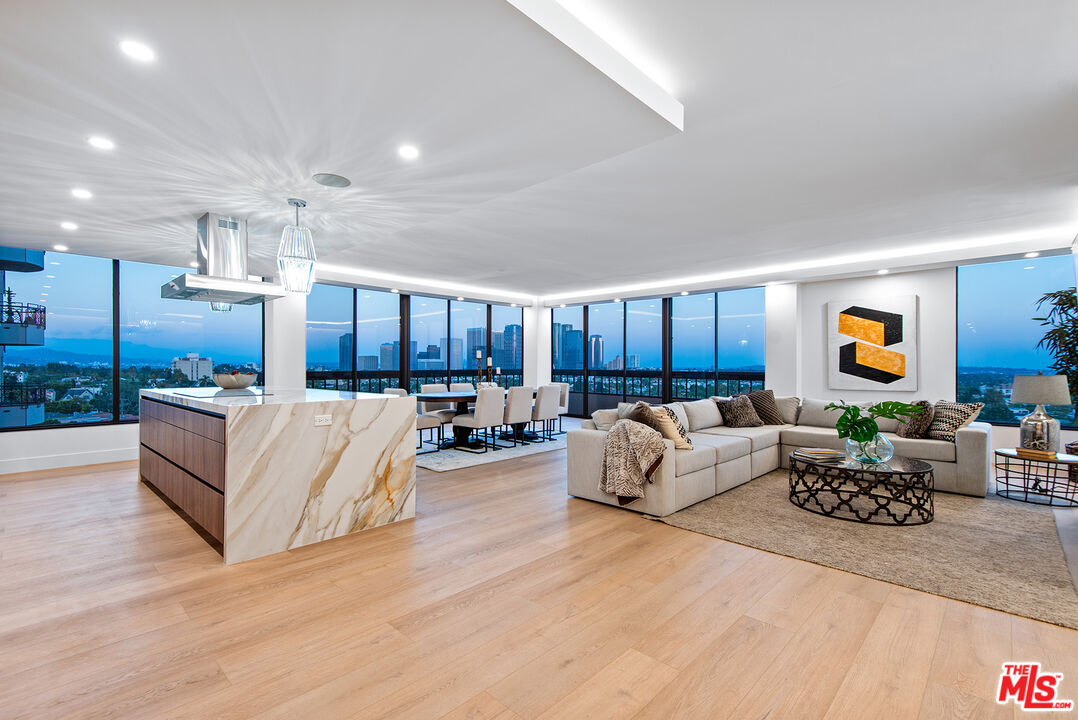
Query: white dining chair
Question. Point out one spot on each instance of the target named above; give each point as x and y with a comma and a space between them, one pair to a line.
443, 410
563, 403
545, 411
422, 422
487, 417
463, 387
518, 409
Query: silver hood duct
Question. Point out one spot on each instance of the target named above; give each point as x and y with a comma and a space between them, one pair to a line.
222, 268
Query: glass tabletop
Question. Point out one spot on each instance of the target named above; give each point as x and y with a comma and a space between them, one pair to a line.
895, 465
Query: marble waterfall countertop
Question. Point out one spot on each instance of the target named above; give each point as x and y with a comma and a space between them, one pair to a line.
303, 466
216, 400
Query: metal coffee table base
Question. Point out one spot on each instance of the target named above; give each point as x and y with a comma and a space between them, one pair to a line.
896, 493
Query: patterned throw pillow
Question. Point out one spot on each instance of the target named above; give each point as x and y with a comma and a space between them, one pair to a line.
917, 426
763, 402
672, 429
949, 417
738, 412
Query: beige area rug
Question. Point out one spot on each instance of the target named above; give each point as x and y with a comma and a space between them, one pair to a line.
998, 553
446, 460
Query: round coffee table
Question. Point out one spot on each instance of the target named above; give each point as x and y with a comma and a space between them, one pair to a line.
1049, 481
898, 492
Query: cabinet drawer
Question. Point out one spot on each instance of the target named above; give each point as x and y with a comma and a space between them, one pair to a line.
204, 505
208, 426
204, 459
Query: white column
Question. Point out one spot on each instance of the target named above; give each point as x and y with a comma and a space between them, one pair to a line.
536, 346
782, 331
286, 341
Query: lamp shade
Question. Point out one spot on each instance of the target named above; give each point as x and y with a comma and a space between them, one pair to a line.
1040, 390
295, 259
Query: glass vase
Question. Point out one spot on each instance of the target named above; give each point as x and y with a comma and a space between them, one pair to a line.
877, 450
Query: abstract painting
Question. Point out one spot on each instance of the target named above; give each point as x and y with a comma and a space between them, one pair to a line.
872, 344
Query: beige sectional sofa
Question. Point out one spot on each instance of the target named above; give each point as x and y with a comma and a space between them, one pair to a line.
724, 457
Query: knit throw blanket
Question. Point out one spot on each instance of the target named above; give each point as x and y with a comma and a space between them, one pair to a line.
633, 452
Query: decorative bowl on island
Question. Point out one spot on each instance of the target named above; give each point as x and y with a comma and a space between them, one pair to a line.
234, 380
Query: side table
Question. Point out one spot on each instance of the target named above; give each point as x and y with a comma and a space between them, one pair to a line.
1043, 482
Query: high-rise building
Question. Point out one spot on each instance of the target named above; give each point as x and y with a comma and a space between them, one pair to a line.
572, 347
367, 362
476, 340
452, 350
344, 352
632, 362
616, 364
389, 355
557, 340
194, 367
595, 351
513, 346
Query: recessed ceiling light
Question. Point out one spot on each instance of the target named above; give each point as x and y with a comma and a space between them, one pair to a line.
512, 304
331, 180
193, 264
460, 299
562, 305
138, 51
617, 299
408, 152
82, 193
101, 143
883, 271
684, 292
394, 290
1032, 254
68, 225
60, 248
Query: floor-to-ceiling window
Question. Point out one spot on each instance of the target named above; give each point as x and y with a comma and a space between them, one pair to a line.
172, 343
429, 327
739, 348
567, 353
692, 348
466, 348
330, 337
604, 354
643, 349
1000, 333
507, 343
378, 340
68, 378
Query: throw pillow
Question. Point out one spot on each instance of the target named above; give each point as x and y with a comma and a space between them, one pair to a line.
604, 419
948, 417
739, 412
672, 429
702, 414
763, 402
813, 414
788, 408
641, 412
917, 426
679, 412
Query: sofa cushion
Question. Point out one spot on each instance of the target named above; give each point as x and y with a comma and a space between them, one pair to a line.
949, 417
763, 402
671, 428
812, 437
604, 419
761, 437
687, 461
885, 425
738, 412
922, 448
702, 414
917, 425
788, 407
727, 447
813, 414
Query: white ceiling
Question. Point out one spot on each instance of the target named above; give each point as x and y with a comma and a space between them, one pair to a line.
811, 130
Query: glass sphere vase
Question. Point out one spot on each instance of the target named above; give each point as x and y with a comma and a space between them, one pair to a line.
877, 450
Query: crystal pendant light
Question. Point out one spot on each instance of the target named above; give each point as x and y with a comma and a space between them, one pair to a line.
295, 256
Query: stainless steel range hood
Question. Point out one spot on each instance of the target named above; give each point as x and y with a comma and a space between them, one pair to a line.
222, 268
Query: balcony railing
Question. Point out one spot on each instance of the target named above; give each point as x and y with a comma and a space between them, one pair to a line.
376, 381
25, 314
695, 385
21, 394
685, 384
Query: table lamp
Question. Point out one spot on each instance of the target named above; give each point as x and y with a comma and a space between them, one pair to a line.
1037, 430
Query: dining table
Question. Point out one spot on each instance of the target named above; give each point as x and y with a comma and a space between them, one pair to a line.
462, 436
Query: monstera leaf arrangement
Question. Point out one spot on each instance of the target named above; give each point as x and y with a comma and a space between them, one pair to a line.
862, 428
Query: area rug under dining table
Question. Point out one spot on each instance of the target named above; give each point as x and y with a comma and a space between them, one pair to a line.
993, 552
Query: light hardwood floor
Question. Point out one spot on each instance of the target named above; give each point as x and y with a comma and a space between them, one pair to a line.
503, 599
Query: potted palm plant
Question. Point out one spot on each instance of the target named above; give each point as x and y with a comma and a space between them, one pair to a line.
858, 426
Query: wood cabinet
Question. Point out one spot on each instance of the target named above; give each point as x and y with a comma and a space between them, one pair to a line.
182, 454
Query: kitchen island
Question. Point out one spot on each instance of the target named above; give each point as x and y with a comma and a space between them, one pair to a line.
265, 470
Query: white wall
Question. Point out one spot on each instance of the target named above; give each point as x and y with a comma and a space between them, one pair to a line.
936, 333
537, 322
286, 342
782, 339
63, 447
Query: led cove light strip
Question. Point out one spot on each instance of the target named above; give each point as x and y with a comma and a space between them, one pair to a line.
1060, 234
405, 281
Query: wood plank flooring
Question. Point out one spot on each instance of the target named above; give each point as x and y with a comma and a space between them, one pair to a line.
503, 599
